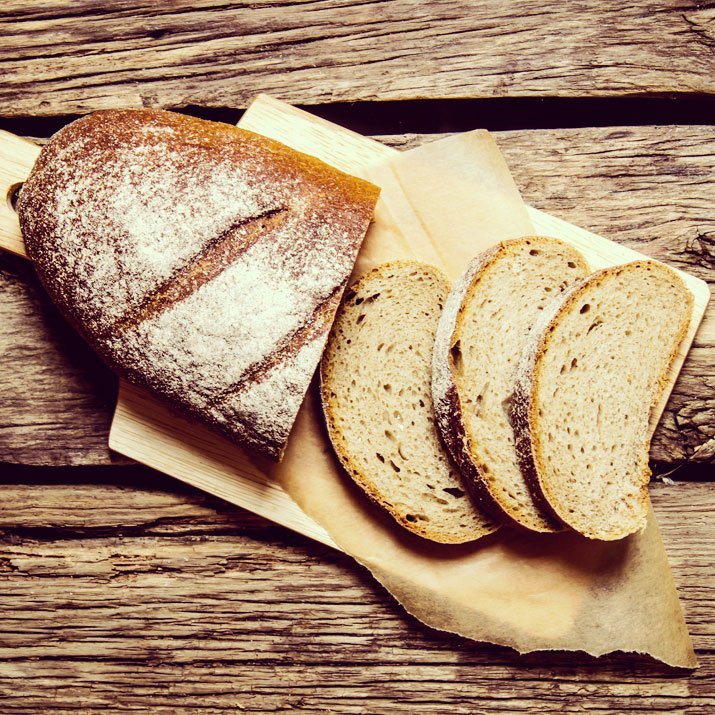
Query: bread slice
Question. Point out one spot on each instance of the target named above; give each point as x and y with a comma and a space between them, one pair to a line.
202, 261
586, 386
481, 333
375, 386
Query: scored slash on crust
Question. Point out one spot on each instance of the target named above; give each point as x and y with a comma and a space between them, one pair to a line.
319, 323
216, 256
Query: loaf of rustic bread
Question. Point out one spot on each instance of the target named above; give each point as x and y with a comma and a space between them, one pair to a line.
200, 260
592, 371
377, 400
482, 331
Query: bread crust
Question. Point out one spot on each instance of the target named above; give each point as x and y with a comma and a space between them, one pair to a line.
275, 189
348, 464
448, 407
523, 408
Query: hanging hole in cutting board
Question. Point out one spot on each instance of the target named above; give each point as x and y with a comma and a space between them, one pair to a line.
13, 194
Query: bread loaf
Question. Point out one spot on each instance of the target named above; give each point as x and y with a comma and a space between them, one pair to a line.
200, 260
592, 372
376, 395
481, 334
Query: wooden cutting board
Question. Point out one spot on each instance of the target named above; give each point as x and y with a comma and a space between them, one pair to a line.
149, 433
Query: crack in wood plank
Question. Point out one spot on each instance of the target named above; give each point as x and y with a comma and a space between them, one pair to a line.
188, 53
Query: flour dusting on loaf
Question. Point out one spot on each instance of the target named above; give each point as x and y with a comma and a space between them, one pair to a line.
202, 261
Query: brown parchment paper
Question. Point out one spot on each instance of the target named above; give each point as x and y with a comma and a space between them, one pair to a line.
443, 203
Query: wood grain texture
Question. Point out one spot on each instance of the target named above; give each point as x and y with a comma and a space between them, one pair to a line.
119, 597
74, 56
56, 395
659, 179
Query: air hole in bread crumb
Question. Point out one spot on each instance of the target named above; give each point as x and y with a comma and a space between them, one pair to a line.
454, 491
506, 405
571, 264
394, 466
585, 308
422, 403
380, 457
410, 517
387, 388
389, 434
457, 361
381, 346
360, 319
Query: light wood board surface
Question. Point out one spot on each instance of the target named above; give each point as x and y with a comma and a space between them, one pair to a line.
16, 159
147, 433
75, 56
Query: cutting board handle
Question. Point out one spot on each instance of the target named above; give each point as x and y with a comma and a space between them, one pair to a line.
17, 156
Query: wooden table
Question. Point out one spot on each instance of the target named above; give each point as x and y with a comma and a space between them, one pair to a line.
123, 589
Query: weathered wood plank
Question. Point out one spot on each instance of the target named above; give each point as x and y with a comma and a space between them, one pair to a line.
74, 56
56, 396
649, 187
175, 601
